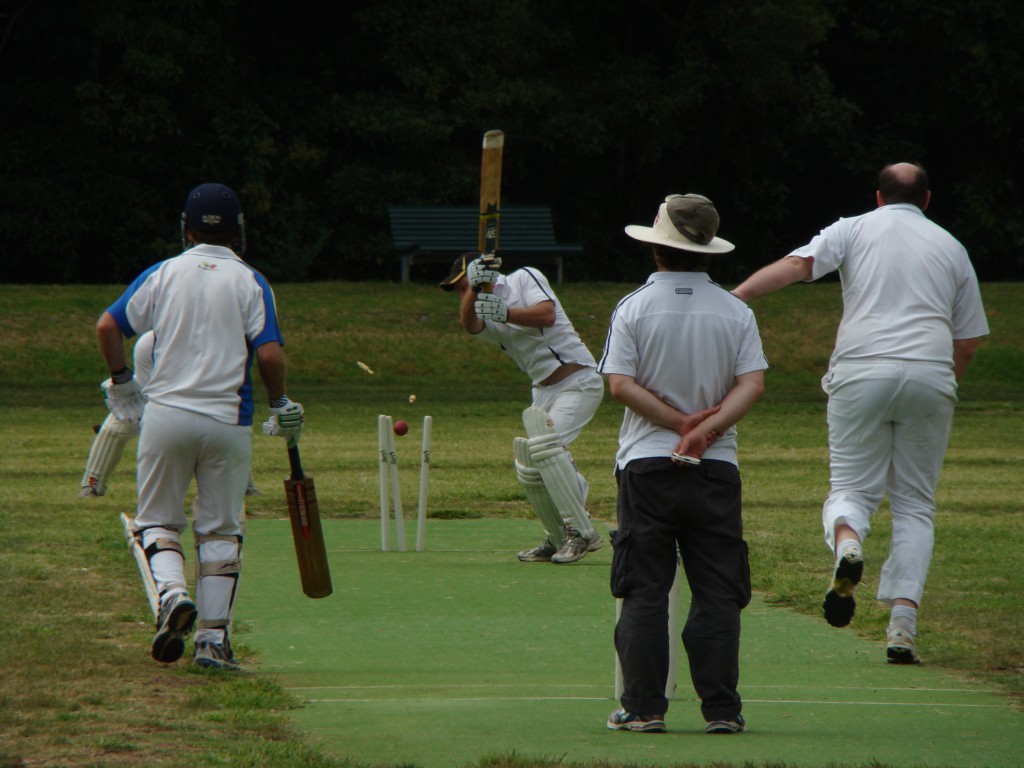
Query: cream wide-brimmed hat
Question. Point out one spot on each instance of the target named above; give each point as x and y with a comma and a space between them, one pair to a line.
687, 222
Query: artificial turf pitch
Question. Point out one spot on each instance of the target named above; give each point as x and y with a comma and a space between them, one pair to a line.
441, 657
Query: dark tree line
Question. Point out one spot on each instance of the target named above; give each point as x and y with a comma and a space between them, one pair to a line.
320, 115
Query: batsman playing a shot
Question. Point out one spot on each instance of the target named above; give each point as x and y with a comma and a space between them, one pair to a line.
521, 315
210, 314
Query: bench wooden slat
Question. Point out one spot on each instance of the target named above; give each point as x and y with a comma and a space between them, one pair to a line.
436, 233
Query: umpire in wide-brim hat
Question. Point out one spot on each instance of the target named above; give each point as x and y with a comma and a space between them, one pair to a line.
686, 222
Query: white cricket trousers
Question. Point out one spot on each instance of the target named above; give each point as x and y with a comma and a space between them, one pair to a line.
571, 404
176, 445
888, 427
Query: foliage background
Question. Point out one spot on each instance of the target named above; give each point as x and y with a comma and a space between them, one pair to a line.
322, 114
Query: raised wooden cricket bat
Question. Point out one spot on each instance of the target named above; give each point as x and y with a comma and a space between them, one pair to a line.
490, 194
490, 191
307, 532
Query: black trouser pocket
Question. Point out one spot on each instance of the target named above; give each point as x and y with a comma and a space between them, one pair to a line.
746, 588
620, 562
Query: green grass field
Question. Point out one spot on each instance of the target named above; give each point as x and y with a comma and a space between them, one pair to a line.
77, 686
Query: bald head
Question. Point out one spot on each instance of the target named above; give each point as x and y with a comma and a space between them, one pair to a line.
903, 183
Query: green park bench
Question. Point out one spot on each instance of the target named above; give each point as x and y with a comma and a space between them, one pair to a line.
438, 233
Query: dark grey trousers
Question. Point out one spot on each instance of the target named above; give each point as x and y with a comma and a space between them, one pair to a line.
664, 508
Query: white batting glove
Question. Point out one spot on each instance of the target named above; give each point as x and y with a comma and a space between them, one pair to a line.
489, 306
483, 270
285, 420
124, 400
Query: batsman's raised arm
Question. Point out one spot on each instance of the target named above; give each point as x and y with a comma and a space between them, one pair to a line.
540, 315
774, 277
467, 312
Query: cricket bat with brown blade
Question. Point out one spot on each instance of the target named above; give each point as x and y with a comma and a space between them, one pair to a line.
490, 195
307, 533
490, 191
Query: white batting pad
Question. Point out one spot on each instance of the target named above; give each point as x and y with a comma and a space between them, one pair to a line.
166, 559
106, 451
557, 469
537, 494
218, 566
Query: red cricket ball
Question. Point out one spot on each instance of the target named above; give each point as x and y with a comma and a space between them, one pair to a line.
401, 428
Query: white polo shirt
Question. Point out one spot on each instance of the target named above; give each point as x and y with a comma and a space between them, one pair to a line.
909, 288
209, 311
685, 339
537, 351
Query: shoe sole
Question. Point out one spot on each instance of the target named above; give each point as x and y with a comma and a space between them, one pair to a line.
897, 654
568, 559
724, 726
207, 663
644, 726
525, 558
839, 605
169, 643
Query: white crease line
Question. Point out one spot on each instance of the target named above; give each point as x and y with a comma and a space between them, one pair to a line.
408, 700
467, 686
452, 687
912, 689
878, 703
467, 699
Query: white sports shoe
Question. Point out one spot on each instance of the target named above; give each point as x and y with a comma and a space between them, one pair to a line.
215, 656
576, 547
739, 725
177, 616
900, 647
623, 720
540, 554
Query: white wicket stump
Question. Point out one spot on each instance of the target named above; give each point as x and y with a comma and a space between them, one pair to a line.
390, 489
672, 682
421, 514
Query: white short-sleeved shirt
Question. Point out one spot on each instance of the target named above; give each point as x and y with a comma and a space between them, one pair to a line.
909, 288
537, 351
209, 311
685, 339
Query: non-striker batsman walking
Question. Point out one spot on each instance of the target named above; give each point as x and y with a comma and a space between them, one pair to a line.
211, 314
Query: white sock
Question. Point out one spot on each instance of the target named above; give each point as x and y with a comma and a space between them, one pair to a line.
215, 636
171, 593
904, 617
849, 545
